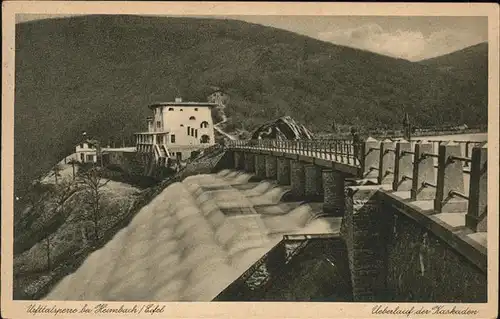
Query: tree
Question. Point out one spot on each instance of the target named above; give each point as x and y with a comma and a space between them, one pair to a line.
73, 162
38, 197
64, 190
57, 168
93, 183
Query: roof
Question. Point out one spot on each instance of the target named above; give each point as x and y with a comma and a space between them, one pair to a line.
184, 104
86, 140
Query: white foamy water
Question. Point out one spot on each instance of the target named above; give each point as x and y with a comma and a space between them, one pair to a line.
182, 247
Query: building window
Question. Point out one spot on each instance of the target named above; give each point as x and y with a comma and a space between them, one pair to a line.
192, 131
158, 124
90, 158
182, 125
82, 157
205, 139
196, 109
196, 133
81, 145
171, 109
204, 124
172, 138
181, 110
188, 130
192, 118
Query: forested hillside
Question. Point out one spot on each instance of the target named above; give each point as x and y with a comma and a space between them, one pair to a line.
97, 73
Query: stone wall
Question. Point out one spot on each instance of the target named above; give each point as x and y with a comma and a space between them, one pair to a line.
132, 163
394, 258
421, 267
364, 228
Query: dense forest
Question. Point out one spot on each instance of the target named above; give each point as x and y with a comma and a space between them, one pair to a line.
98, 73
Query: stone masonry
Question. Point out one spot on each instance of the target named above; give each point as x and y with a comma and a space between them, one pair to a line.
314, 184
260, 166
297, 179
363, 228
271, 169
283, 171
333, 188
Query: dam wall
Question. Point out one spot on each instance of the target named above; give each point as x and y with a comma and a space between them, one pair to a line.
298, 268
413, 230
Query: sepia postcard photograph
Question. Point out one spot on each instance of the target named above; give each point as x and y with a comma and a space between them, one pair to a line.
270, 160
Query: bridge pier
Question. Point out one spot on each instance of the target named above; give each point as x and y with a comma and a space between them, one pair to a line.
260, 166
297, 179
271, 167
313, 182
283, 171
239, 162
334, 195
249, 162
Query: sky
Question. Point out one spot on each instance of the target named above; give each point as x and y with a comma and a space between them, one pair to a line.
412, 38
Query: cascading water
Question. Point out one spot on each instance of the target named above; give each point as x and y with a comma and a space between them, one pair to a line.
183, 247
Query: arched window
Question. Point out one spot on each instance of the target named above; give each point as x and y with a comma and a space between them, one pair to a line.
204, 124
192, 118
181, 110
196, 109
170, 108
182, 125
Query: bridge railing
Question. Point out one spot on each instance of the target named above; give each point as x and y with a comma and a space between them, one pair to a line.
451, 173
341, 151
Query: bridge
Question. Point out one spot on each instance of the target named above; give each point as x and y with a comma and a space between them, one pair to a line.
413, 170
441, 186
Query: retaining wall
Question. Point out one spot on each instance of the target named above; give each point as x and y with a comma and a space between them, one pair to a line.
393, 257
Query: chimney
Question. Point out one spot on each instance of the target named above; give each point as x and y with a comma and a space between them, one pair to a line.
178, 100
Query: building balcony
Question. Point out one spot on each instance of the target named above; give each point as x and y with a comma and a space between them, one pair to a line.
150, 138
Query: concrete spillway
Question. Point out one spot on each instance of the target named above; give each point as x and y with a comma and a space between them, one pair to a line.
192, 241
